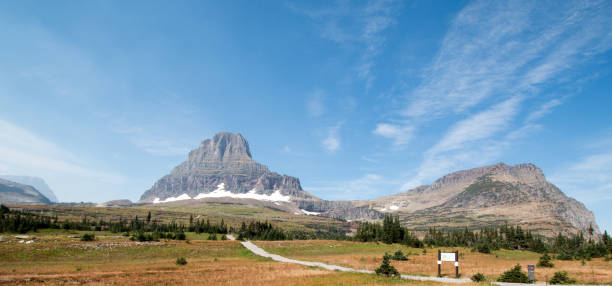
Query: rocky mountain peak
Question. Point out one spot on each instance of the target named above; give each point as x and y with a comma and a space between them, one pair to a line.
223, 147
223, 160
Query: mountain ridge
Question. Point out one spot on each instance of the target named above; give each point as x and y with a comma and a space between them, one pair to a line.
222, 168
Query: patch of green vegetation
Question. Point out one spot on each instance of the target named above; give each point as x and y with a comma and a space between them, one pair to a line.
181, 261
561, 277
386, 268
478, 277
514, 275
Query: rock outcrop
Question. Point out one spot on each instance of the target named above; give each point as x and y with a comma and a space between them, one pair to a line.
15, 193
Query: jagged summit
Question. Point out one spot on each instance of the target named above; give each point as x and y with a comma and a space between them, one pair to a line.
224, 146
223, 165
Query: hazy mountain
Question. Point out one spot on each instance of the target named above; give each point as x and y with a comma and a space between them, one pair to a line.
35, 182
15, 193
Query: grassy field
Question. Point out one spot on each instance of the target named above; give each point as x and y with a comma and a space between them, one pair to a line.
59, 259
369, 256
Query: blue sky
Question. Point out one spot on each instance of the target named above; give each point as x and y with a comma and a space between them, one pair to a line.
358, 99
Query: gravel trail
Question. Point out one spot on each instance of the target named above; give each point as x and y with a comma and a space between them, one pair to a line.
258, 251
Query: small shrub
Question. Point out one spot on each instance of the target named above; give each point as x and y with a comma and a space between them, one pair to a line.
483, 248
545, 261
180, 236
78, 268
224, 237
212, 236
565, 256
386, 268
514, 275
399, 255
561, 278
478, 277
88, 237
181, 261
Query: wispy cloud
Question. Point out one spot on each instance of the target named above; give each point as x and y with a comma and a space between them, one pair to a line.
458, 144
355, 25
400, 134
495, 57
150, 141
332, 141
23, 152
544, 109
588, 179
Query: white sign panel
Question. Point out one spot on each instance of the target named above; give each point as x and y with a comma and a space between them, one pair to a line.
448, 256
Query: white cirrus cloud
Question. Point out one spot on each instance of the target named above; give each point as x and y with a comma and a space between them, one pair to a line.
496, 57
400, 134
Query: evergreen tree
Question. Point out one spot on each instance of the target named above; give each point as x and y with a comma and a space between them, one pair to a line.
514, 275
386, 268
545, 261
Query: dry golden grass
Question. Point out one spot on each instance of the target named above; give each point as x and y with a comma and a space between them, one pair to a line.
54, 261
369, 256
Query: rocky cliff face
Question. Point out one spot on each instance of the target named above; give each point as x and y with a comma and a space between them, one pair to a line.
15, 193
224, 159
490, 195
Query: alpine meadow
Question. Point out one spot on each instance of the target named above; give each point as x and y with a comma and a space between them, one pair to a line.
374, 142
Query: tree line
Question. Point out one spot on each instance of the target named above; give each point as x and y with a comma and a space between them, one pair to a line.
18, 221
487, 239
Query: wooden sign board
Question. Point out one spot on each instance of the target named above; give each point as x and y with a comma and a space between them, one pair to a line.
447, 256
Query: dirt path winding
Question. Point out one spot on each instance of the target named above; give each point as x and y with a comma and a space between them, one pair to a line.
258, 251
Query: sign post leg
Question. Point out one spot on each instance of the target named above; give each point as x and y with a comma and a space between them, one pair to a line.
439, 263
457, 264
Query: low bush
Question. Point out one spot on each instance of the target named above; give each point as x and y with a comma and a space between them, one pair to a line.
181, 261
478, 277
561, 278
514, 275
483, 248
88, 237
399, 255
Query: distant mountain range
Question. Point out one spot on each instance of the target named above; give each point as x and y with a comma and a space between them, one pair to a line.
15, 193
36, 182
222, 168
